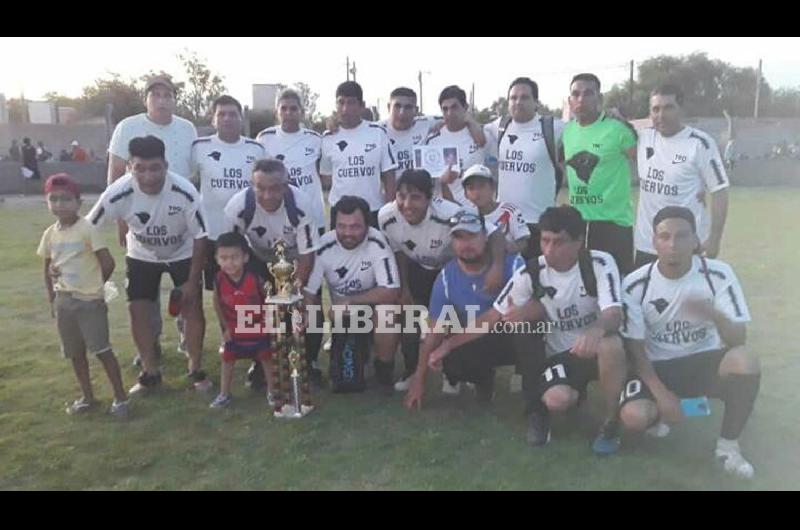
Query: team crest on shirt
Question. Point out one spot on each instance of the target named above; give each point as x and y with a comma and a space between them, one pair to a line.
410, 244
280, 157
173, 210
512, 138
369, 147
649, 152
216, 155
260, 231
143, 217
660, 304
341, 145
341, 271
584, 163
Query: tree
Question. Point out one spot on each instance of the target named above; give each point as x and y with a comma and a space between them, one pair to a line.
202, 87
709, 86
309, 99
124, 96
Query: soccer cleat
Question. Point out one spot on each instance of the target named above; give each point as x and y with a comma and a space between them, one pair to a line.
608, 440
221, 401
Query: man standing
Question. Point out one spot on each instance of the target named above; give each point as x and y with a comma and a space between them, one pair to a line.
526, 146
167, 233
358, 158
460, 132
177, 134
678, 166
599, 151
298, 148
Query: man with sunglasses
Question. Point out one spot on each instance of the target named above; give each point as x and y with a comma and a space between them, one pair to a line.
417, 227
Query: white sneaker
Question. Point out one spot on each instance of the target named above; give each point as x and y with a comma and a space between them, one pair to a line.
451, 390
403, 384
659, 430
729, 456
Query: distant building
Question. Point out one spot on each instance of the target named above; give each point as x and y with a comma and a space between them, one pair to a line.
264, 96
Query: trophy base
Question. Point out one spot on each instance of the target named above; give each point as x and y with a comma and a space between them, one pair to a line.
290, 412
283, 300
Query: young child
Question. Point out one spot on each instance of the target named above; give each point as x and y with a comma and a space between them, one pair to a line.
76, 265
235, 286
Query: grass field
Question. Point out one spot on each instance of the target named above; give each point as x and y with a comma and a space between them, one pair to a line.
173, 440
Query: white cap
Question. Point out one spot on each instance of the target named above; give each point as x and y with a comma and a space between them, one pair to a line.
478, 170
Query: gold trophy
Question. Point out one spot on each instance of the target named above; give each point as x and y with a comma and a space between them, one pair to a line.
290, 371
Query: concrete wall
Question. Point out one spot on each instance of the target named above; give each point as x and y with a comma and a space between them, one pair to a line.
90, 176
92, 136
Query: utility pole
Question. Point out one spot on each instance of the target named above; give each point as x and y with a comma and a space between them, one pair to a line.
630, 93
758, 89
419, 78
347, 71
354, 71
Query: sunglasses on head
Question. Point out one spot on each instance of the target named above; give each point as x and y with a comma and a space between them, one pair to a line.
466, 218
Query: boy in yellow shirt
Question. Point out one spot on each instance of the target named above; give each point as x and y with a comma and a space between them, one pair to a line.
76, 265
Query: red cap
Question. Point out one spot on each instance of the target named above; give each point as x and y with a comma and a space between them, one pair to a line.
61, 181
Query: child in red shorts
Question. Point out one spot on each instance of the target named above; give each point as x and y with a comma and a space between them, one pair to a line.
234, 286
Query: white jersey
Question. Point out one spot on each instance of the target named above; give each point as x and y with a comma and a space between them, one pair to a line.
162, 227
673, 172
349, 272
355, 159
655, 310
525, 171
569, 307
426, 243
469, 154
222, 169
509, 220
177, 137
403, 142
299, 151
265, 229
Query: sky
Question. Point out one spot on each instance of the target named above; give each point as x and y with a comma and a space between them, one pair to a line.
34, 66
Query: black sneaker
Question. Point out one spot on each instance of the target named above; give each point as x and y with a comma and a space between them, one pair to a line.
145, 383
538, 434
255, 378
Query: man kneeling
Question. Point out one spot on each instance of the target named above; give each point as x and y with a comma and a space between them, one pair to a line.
685, 328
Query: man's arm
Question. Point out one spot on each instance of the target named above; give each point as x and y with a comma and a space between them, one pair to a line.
719, 214
305, 264
325, 180
116, 167
389, 185
107, 263
192, 284
494, 276
402, 269
588, 342
374, 296
416, 390
475, 130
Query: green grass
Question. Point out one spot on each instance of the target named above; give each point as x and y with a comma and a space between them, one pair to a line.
173, 441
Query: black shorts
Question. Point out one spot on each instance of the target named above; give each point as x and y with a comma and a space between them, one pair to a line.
566, 368
643, 258
691, 376
372, 221
422, 285
612, 238
210, 269
144, 277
